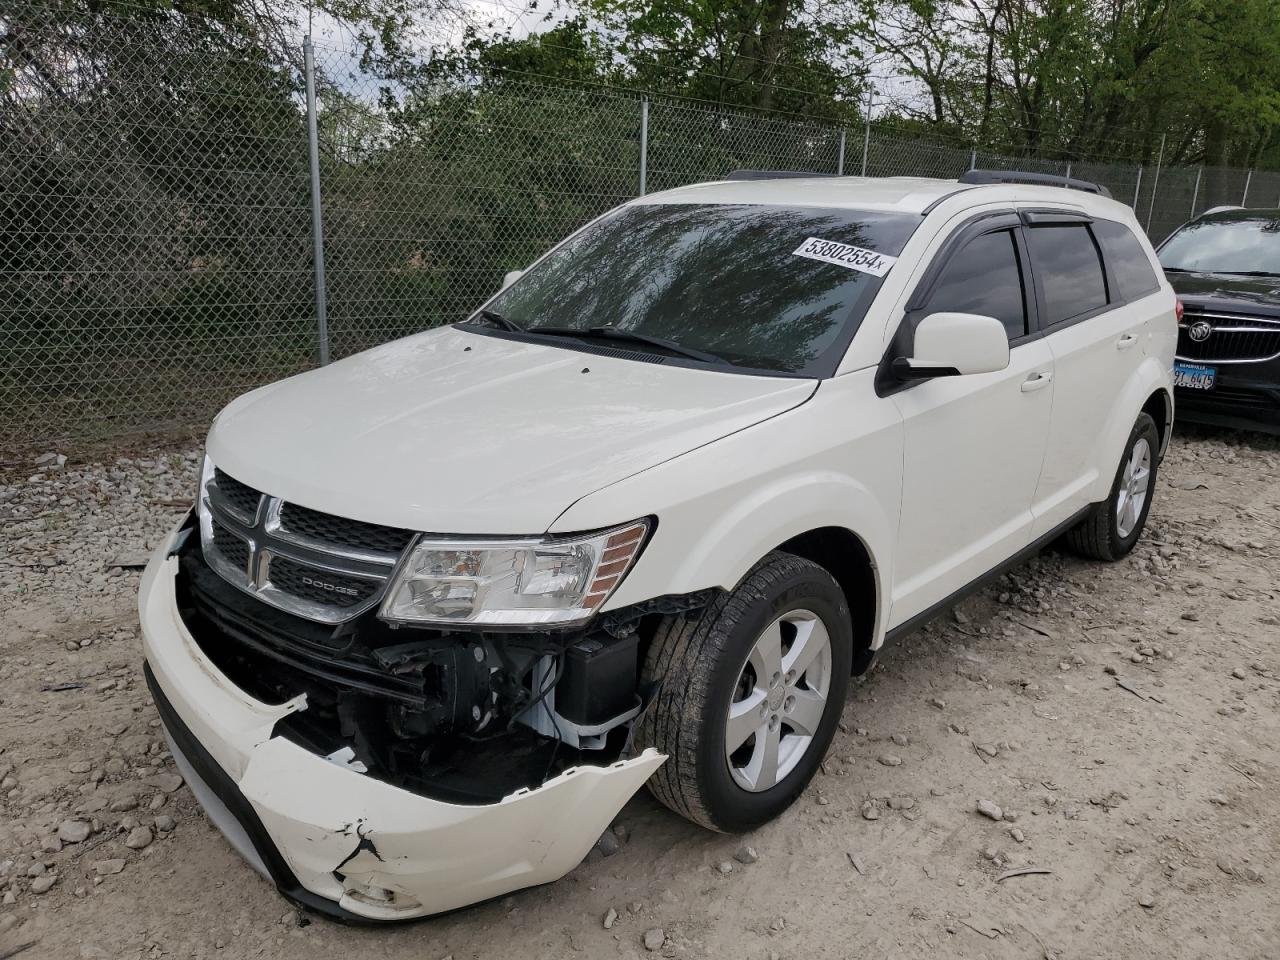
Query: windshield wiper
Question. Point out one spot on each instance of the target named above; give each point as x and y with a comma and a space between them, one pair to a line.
629, 336
498, 320
1224, 273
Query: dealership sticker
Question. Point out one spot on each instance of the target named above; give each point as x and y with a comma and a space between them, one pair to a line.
844, 255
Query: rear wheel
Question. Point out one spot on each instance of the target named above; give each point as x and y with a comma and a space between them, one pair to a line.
749, 695
1114, 526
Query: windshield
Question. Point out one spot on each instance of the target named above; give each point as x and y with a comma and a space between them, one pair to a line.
1237, 245
766, 287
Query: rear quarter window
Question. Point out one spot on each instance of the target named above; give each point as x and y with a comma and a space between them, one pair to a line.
1130, 266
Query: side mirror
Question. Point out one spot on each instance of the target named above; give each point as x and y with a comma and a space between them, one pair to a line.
511, 277
955, 344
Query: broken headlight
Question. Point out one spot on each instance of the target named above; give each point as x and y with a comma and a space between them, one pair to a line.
549, 582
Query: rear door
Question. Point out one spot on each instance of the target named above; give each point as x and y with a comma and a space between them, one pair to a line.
1089, 289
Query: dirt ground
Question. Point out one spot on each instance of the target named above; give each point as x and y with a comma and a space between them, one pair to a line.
1124, 718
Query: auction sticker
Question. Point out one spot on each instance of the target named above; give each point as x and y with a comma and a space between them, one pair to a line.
844, 255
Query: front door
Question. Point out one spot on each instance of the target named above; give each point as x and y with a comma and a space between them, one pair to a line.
973, 445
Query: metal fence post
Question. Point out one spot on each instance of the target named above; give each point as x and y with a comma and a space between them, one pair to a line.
644, 143
1068, 170
973, 159
1248, 178
866, 130
1136, 187
1155, 183
317, 216
840, 158
1195, 191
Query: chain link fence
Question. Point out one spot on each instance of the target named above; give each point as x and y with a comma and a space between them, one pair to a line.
156, 217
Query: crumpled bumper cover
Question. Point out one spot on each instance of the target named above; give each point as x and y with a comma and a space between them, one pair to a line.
339, 841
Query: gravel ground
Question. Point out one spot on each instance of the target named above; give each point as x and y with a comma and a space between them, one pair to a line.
1114, 727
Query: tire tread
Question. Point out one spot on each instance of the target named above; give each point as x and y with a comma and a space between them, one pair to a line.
680, 650
1092, 537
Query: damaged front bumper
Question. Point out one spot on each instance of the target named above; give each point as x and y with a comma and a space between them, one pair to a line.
334, 839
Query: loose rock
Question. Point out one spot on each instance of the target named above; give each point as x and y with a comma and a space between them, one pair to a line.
167, 782
608, 844
139, 837
746, 854
73, 831
989, 808
44, 883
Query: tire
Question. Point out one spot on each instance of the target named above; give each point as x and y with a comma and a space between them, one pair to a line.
706, 665
1101, 535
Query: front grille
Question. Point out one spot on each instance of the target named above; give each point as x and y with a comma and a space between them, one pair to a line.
318, 566
240, 497
231, 546
320, 586
1231, 337
339, 531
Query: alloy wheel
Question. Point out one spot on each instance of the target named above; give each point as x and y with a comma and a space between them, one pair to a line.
1135, 484
779, 700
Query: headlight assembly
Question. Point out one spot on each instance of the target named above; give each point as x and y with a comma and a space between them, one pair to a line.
546, 582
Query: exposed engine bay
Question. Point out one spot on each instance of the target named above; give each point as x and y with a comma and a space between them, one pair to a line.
462, 716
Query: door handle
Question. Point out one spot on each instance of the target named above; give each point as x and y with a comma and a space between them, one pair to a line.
1037, 381
1125, 342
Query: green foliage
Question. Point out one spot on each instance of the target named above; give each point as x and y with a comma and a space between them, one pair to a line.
1061, 79
1076, 78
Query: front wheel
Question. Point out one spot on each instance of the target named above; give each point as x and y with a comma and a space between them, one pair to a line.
1113, 528
748, 695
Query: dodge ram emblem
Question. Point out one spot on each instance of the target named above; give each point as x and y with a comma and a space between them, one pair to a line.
1200, 331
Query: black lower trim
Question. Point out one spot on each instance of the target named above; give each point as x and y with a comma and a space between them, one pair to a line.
217, 780
920, 619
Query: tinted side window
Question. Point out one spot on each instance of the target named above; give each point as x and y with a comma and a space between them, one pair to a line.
1066, 261
1129, 264
985, 277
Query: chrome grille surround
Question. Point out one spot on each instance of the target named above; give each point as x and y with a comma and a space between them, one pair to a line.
354, 577
1233, 338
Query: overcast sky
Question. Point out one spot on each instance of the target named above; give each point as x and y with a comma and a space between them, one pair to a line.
496, 17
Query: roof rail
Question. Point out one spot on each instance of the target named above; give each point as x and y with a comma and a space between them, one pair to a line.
1021, 176
773, 174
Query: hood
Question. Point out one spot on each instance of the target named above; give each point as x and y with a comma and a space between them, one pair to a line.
452, 431
1233, 294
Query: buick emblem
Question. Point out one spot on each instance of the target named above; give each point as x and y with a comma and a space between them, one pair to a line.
1200, 331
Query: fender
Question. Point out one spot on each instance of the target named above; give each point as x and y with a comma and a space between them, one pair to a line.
1149, 377
722, 507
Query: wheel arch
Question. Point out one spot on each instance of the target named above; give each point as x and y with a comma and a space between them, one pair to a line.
1160, 406
844, 555
1148, 388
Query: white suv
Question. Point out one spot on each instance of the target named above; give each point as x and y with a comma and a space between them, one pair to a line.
445, 605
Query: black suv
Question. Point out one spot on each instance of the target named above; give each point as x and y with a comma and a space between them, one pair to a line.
1225, 267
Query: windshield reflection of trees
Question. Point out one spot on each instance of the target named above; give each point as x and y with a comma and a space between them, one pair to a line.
1225, 246
717, 278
